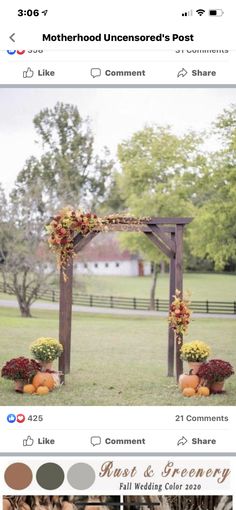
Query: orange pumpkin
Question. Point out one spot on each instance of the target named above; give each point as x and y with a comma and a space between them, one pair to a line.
189, 392
42, 390
188, 381
29, 388
43, 379
203, 391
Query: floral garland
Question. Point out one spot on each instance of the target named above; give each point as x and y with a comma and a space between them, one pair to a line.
65, 225
179, 315
63, 228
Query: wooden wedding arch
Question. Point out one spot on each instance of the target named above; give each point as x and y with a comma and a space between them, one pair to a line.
167, 235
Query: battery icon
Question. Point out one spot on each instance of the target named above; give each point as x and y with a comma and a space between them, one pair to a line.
216, 12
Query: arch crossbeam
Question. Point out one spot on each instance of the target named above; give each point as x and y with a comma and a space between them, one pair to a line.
81, 241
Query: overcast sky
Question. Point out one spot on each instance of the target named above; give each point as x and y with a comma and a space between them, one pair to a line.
115, 114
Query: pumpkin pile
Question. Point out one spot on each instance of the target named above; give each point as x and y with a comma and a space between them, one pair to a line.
190, 386
42, 383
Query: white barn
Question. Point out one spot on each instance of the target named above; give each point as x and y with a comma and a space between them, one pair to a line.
103, 256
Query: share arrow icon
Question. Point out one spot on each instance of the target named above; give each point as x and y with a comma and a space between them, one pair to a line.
182, 73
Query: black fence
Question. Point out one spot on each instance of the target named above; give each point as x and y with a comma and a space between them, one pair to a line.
134, 303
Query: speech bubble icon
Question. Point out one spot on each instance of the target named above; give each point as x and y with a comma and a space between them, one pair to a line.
95, 440
95, 72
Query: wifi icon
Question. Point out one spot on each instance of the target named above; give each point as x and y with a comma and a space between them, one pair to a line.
200, 12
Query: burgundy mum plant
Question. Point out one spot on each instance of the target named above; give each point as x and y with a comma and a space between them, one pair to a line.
20, 369
215, 370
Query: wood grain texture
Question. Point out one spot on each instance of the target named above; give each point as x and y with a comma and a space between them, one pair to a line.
155, 240
65, 315
81, 241
171, 333
179, 286
165, 238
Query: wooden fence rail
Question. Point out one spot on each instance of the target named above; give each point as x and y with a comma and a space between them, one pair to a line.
134, 303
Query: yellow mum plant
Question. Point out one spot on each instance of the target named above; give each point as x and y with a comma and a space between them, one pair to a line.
195, 351
46, 349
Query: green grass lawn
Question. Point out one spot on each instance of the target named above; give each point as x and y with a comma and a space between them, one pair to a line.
215, 287
115, 360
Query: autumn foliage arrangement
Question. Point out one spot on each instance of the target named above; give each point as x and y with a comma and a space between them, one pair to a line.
179, 315
64, 227
30, 375
68, 223
209, 379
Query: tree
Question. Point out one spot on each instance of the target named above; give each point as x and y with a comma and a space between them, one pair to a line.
155, 164
24, 267
68, 171
113, 201
213, 233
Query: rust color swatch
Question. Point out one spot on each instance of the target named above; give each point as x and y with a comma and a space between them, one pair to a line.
18, 476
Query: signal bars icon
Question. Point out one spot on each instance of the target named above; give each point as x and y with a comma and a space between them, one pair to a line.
187, 13
200, 12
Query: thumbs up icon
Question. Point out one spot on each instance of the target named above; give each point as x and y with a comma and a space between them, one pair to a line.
29, 73
28, 441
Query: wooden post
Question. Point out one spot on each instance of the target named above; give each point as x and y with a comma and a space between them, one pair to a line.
65, 313
179, 286
171, 333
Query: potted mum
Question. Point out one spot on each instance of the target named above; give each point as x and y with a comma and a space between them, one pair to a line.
214, 373
21, 370
195, 353
46, 350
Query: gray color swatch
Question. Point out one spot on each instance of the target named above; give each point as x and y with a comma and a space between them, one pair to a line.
81, 476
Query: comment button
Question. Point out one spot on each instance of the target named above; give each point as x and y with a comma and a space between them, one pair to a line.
95, 440
95, 72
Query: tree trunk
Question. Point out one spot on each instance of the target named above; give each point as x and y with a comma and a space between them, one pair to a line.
24, 308
153, 286
162, 264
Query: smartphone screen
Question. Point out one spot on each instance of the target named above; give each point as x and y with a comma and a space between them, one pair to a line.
117, 255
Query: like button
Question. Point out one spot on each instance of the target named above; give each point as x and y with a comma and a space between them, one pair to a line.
28, 441
29, 73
